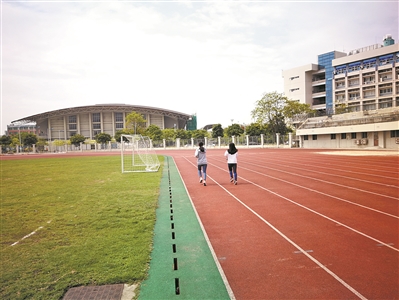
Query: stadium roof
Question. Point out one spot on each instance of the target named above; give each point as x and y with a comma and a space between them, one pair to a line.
104, 107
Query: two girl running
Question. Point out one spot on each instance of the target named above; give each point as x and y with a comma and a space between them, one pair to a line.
231, 157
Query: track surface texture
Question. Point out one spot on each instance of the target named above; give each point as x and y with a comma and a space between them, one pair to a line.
301, 224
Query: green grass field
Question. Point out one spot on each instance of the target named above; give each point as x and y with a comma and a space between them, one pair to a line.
94, 225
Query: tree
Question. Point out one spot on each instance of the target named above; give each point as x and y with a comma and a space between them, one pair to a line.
293, 108
268, 107
77, 139
168, 134
5, 141
234, 130
103, 138
183, 134
255, 129
217, 130
199, 134
29, 139
153, 132
135, 121
277, 125
40, 144
119, 133
341, 109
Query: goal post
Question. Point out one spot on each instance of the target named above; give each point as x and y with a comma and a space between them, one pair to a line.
137, 154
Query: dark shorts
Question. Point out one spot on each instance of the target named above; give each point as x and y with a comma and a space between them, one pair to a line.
232, 167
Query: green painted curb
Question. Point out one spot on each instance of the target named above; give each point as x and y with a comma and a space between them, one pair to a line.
182, 265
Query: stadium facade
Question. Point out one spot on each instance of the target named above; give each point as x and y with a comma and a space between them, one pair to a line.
364, 82
101, 118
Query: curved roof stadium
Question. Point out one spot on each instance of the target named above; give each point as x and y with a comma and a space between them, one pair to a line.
93, 119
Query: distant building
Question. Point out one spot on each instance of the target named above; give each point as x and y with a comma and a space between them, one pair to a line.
18, 128
94, 119
365, 83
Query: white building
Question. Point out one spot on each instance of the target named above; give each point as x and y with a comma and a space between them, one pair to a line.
365, 83
102, 118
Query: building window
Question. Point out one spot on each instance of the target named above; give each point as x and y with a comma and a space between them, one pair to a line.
343, 136
386, 90
305, 137
333, 136
96, 117
394, 133
364, 135
72, 127
118, 117
95, 132
72, 119
369, 63
369, 93
354, 67
369, 105
353, 135
96, 126
385, 103
314, 137
119, 125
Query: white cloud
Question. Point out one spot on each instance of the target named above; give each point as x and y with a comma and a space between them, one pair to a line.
212, 58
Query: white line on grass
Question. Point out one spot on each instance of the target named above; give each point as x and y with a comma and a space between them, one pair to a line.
28, 235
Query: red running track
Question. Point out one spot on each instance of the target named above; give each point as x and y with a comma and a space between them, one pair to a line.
301, 224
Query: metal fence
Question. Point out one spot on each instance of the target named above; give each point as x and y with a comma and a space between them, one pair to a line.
222, 142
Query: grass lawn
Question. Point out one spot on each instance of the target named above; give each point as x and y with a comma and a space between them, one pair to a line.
93, 225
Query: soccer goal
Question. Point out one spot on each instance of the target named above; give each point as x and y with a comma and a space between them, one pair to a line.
137, 154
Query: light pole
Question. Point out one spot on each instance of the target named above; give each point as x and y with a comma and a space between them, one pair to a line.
19, 133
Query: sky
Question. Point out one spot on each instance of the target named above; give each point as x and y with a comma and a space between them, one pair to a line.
214, 59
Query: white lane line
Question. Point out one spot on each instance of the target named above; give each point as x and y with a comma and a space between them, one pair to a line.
347, 171
336, 175
28, 235
315, 212
324, 194
332, 183
305, 252
215, 258
324, 216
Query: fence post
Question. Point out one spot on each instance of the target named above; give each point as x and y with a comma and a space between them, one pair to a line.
290, 139
278, 139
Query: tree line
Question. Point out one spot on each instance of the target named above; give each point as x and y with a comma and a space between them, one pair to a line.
273, 113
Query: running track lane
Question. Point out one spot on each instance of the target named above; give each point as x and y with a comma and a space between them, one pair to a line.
281, 235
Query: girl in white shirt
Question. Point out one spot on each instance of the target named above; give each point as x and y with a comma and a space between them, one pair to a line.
231, 157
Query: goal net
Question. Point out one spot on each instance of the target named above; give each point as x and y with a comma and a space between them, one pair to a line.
137, 154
